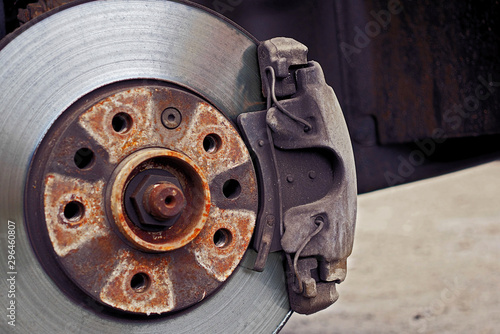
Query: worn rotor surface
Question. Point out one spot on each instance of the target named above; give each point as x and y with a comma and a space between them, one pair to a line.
56, 61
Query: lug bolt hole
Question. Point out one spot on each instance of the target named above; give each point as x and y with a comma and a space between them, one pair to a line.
83, 158
231, 189
140, 282
74, 211
121, 122
212, 143
222, 238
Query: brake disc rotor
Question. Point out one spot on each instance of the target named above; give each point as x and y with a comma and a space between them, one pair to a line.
114, 112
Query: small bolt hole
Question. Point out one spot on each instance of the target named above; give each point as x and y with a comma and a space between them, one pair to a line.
171, 118
121, 122
212, 143
73, 211
83, 158
222, 238
231, 189
140, 282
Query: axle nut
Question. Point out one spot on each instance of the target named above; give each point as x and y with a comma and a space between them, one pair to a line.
164, 200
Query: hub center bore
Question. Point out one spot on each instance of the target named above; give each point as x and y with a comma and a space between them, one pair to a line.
147, 203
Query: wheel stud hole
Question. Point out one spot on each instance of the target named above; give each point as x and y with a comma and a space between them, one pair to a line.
140, 282
231, 189
74, 211
83, 158
121, 122
222, 238
212, 143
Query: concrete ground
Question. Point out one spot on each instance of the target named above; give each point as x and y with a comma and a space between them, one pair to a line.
426, 259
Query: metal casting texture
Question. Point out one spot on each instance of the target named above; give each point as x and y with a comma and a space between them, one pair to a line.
315, 169
161, 40
317, 102
36, 9
181, 265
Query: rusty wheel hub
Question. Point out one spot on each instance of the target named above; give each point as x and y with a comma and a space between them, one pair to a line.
148, 197
149, 210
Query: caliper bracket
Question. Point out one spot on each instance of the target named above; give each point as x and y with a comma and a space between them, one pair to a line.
307, 182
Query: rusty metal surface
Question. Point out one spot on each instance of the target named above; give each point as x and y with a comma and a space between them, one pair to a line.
448, 74
155, 200
319, 232
194, 183
33, 10
163, 200
306, 144
83, 193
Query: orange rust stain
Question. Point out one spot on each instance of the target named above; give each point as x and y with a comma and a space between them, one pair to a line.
222, 259
64, 232
175, 237
156, 297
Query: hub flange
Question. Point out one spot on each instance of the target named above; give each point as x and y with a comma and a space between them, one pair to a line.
137, 213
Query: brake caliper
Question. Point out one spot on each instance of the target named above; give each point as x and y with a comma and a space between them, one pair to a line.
307, 182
